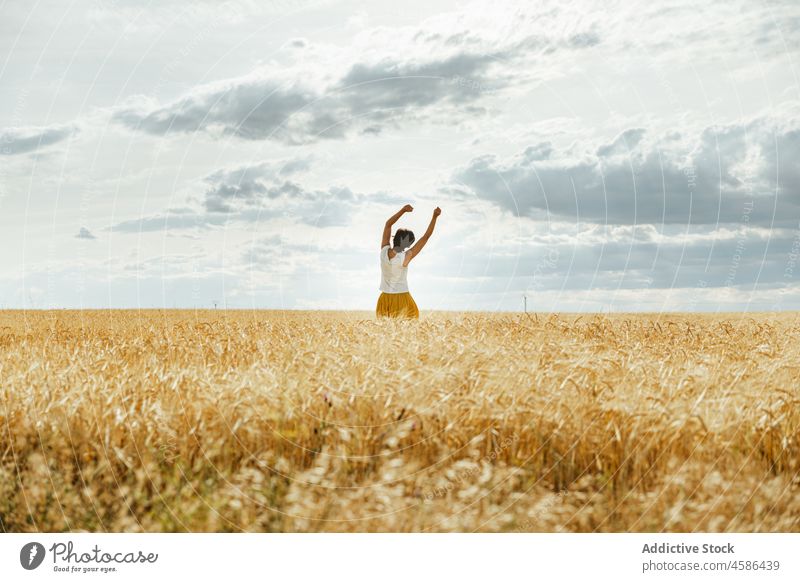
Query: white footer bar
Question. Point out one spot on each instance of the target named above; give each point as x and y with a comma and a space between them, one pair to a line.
406, 557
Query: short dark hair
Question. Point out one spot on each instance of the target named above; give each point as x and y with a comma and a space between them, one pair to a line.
401, 232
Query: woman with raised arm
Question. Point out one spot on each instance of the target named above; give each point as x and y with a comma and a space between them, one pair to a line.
395, 300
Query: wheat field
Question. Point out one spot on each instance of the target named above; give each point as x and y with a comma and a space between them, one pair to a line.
324, 421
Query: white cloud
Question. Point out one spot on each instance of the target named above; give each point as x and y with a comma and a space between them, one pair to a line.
21, 140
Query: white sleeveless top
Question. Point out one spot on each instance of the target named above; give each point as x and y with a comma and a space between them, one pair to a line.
393, 273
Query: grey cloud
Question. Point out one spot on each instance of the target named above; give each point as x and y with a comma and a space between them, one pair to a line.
84, 233
636, 258
744, 260
169, 221
373, 92
297, 43
538, 152
259, 192
295, 166
249, 184
20, 140
221, 197
365, 100
390, 85
730, 174
321, 208
253, 170
585, 39
275, 251
250, 109
623, 143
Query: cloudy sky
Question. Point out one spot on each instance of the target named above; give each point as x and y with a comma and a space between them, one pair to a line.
593, 157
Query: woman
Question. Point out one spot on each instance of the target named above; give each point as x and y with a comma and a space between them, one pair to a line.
395, 300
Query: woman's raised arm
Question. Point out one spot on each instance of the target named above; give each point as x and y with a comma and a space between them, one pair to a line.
387, 229
414, 251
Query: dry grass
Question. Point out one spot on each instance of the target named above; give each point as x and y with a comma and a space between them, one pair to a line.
293, 421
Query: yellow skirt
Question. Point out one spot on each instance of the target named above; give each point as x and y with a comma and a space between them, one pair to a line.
397, 305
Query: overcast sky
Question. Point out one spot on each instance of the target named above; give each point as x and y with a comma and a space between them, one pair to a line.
592, 156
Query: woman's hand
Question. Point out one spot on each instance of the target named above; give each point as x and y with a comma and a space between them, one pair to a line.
437, 211
408, 208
